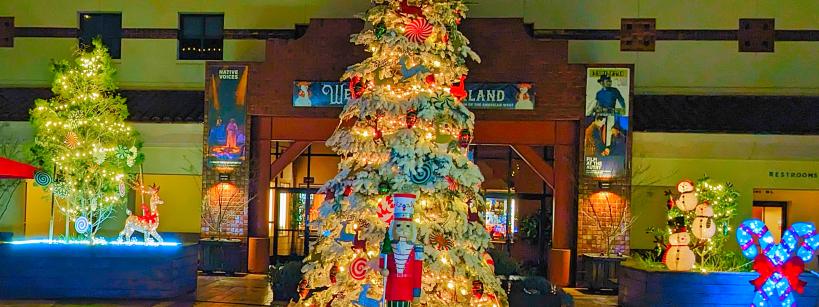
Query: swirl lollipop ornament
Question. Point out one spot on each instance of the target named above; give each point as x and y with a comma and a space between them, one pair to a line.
422, 175
778, 265
42, 178
358, 268
81, 224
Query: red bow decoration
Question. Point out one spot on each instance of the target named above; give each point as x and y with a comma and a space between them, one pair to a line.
357, 87
790, 269
147, 215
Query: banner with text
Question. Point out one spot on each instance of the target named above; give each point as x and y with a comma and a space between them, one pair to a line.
606, 122
506, 96
225, 98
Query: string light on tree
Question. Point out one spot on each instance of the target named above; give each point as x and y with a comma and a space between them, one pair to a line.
405, 131
705, 210
80, 133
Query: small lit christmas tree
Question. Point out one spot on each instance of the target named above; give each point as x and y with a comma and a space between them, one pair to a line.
399, 218
82, 142
706, 211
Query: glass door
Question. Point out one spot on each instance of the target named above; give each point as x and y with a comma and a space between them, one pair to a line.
293, 232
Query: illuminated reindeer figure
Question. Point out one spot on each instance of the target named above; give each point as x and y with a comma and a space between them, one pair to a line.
147, 222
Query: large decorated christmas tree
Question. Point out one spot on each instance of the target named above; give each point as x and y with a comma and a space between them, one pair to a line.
81, 140
398, 220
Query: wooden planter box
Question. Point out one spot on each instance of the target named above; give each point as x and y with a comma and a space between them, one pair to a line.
221, 256
59, 271
600, 272
663, 288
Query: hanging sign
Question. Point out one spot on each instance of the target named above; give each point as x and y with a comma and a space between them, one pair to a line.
505, 96
606, 122
225, 98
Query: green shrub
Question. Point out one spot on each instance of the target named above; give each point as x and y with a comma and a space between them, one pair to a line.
284, 280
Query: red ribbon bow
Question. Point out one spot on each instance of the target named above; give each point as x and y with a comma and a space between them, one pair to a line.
147, 215
790, 269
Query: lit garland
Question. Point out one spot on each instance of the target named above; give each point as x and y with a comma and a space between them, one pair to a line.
80, 133
404, 117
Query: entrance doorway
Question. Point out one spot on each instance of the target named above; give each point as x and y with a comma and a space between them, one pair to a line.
774, 214
292, 231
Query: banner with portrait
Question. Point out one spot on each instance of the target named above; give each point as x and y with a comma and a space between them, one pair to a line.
606, 123
226, 121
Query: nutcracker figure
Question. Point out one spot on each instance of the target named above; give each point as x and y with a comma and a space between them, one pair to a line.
402, 257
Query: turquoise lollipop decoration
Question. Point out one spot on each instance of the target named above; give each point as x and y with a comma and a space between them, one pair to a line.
421, 175
81, 224
42, 178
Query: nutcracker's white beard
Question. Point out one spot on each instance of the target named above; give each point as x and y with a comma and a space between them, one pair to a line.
402, 251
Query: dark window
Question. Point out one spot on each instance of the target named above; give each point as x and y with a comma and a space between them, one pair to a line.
200, 36
107, 26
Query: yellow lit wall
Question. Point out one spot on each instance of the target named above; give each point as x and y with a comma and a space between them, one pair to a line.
173, 160
663, 159
182, 195
38, 212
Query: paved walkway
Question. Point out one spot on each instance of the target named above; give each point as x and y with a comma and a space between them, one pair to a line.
248, 290
582, 298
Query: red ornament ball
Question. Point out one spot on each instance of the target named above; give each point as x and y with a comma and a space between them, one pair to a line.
430, 79
418, 30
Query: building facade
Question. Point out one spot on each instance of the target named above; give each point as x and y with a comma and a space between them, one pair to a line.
684, 70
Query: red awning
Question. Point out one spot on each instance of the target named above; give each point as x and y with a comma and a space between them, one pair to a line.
10, 169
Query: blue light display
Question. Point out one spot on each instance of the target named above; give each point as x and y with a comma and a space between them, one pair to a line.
778, 266
96, 242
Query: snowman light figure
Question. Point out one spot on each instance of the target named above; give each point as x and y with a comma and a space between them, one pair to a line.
678, 256
688, 197
703, 226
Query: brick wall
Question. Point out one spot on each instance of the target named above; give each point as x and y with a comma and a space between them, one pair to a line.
601, 207
508, 54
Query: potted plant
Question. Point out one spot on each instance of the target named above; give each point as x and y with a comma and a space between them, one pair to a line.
219, 252
522, 286
612, 220
284, 281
